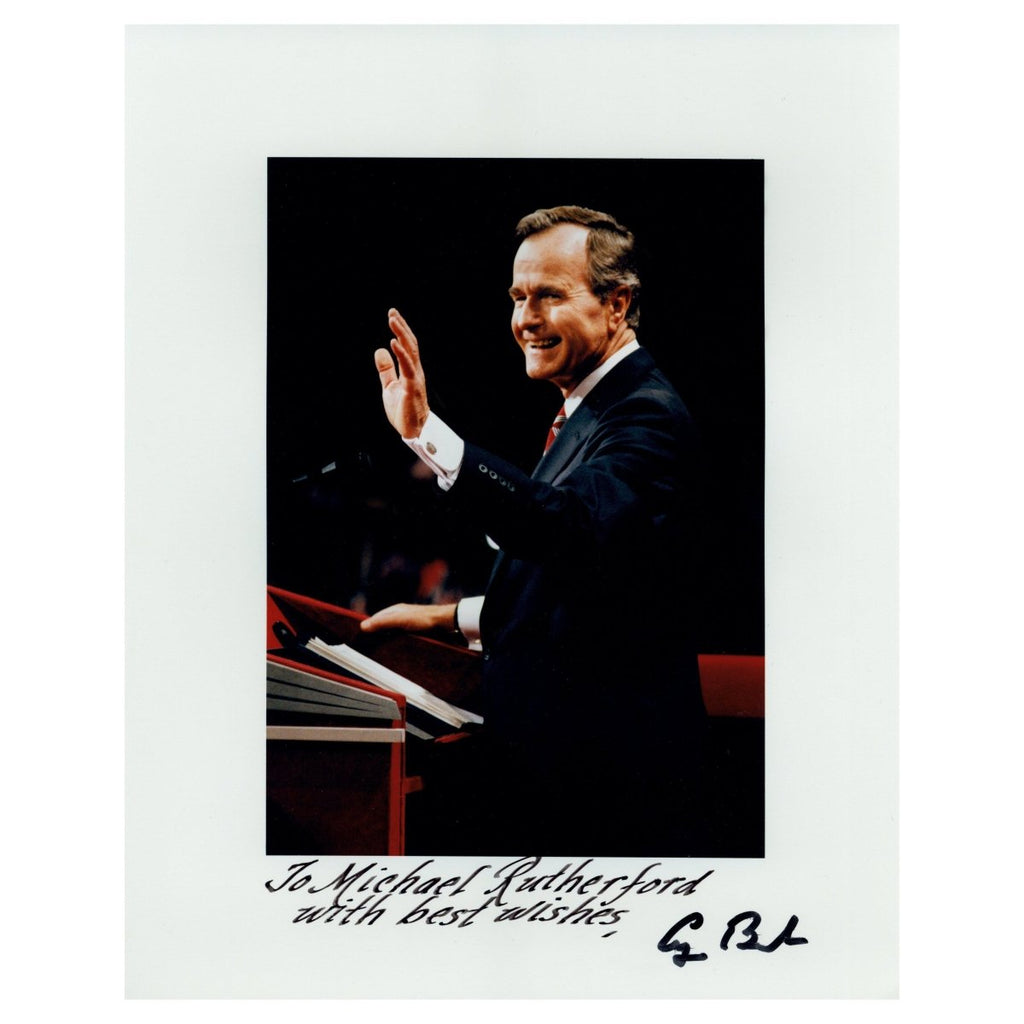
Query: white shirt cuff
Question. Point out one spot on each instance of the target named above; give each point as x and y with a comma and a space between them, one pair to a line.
467, 614
440, 448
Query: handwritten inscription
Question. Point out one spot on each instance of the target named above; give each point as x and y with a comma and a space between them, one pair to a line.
683, 952
519, 890
522, 892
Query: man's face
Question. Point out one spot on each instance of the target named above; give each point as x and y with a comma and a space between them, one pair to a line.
563, 328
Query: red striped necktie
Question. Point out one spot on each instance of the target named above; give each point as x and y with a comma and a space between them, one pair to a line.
555, 428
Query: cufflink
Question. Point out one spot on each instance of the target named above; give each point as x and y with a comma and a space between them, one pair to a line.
431, 448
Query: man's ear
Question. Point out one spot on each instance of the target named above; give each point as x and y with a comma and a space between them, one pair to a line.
618, 300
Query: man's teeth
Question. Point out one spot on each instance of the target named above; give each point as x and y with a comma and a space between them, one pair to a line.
546, 343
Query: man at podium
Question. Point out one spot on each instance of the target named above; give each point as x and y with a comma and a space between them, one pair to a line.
594, 720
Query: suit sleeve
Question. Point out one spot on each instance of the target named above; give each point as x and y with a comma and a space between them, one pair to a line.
628, 476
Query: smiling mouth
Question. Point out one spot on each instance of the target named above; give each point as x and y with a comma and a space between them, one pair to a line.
545, 343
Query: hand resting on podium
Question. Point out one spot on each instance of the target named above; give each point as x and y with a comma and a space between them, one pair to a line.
413, 618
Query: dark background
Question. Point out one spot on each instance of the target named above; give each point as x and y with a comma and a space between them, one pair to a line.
348, 238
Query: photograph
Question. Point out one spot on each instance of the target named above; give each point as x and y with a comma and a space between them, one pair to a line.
617, 657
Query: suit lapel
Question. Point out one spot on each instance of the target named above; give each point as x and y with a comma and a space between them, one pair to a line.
561, 456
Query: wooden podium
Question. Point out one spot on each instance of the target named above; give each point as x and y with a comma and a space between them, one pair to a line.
338, 785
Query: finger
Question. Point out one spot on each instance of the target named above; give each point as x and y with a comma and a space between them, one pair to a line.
385, 367
373, 623
386, 618
401, 328
408, 360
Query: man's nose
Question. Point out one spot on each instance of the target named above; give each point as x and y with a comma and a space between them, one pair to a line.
528, 315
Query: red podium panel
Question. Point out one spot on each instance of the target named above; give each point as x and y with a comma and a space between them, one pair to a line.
733, 685
341, 788
335, 789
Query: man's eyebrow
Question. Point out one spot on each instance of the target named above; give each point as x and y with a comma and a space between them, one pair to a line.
545, 288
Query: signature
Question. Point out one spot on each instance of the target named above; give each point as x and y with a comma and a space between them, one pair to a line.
683, 952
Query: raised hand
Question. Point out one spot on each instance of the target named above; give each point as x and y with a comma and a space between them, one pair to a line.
403, 388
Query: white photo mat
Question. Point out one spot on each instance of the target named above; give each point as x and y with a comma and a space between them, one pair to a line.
206, 107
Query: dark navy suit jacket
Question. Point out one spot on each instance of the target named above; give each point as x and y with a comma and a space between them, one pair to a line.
593, 708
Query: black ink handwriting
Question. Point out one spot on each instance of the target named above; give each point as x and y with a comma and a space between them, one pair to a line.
683, 952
